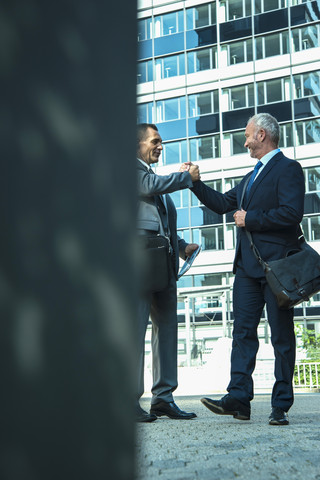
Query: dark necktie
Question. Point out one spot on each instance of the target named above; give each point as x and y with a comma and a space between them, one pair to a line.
253, 176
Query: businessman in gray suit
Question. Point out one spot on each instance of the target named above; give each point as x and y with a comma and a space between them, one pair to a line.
157, 215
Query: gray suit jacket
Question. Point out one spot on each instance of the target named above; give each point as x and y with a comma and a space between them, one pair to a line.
151, 208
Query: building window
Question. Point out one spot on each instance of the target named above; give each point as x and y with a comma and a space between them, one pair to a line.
211, 238
214, 184
202, 148
262, 6
199, 60
201, 16
313, 179
236, 9
174, 152
306, 84
210, 279
311, 228
203, 103
305, 38
273, 90
307, 132
144, 29
237, 52
171, 66
171, 109
239, 97
237, 140
168, 24
286, 135
181, 199
272, 45
144, 72
231, 236
144, 112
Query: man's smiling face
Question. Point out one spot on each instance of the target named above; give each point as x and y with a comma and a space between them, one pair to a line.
151, 147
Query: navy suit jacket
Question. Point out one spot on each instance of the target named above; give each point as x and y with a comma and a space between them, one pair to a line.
150, 211
274, 209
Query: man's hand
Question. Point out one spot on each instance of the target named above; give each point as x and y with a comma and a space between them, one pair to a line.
239, 218
185, 167
192, 169
194, 172
190, 248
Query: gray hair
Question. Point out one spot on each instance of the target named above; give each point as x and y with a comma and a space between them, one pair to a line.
269, 124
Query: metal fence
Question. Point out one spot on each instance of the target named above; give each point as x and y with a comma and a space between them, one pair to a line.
307, 375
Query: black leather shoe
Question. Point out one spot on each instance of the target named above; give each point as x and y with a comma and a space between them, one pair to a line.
143, 416
228, 406
278, 417
171, 410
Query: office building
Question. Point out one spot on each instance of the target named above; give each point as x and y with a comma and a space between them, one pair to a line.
203, 69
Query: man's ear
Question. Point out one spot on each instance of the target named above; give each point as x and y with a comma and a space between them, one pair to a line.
261, 134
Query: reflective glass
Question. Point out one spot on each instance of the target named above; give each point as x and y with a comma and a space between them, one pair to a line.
171, 109
169, 44
176, 198
235, 9
312, 131
212, 238
274, 90
235, 29
201, 16
184, 281
208, 279
238, 140
307, 107
315, 228
271, 5
313, 179
259, 47
311, 83
144, 112
141, 72
272, 45
286, 135
169, 24
182, 217
312, 203
236, 119
268, 22
204, 216
309, 12
202, 60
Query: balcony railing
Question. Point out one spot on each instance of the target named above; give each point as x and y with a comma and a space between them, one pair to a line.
307, 375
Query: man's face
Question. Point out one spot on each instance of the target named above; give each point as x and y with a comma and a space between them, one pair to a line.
150, 148
253, 136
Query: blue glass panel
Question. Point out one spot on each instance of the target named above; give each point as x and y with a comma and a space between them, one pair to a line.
201, 37
145, 49
203, 216
305, 13
169, 44
268, 22
182, 217
236, 119
311, 203
172, 130
235, 29
307, 107
281, 111
204, 124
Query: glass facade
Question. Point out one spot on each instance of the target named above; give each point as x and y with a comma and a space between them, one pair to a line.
202, 72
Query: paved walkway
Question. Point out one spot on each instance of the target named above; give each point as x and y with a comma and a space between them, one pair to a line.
213, 447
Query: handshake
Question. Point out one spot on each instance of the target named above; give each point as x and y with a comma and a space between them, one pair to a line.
192, 169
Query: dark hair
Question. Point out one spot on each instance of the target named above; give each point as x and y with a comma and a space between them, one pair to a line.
142, 129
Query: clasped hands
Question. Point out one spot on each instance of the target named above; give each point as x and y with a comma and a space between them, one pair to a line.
192, 169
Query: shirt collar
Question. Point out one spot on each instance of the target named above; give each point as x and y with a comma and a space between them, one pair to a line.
265, 159
144, 163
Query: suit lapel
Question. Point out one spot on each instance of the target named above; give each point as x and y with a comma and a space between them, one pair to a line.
266, 170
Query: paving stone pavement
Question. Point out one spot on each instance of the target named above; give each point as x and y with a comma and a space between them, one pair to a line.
214, 447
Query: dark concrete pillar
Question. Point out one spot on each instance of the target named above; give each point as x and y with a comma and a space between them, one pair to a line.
67, 202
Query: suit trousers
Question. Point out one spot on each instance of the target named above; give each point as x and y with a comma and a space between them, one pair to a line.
249, 297
162, 308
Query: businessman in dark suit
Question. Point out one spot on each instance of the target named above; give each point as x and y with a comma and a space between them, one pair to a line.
157, 215
272, 210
